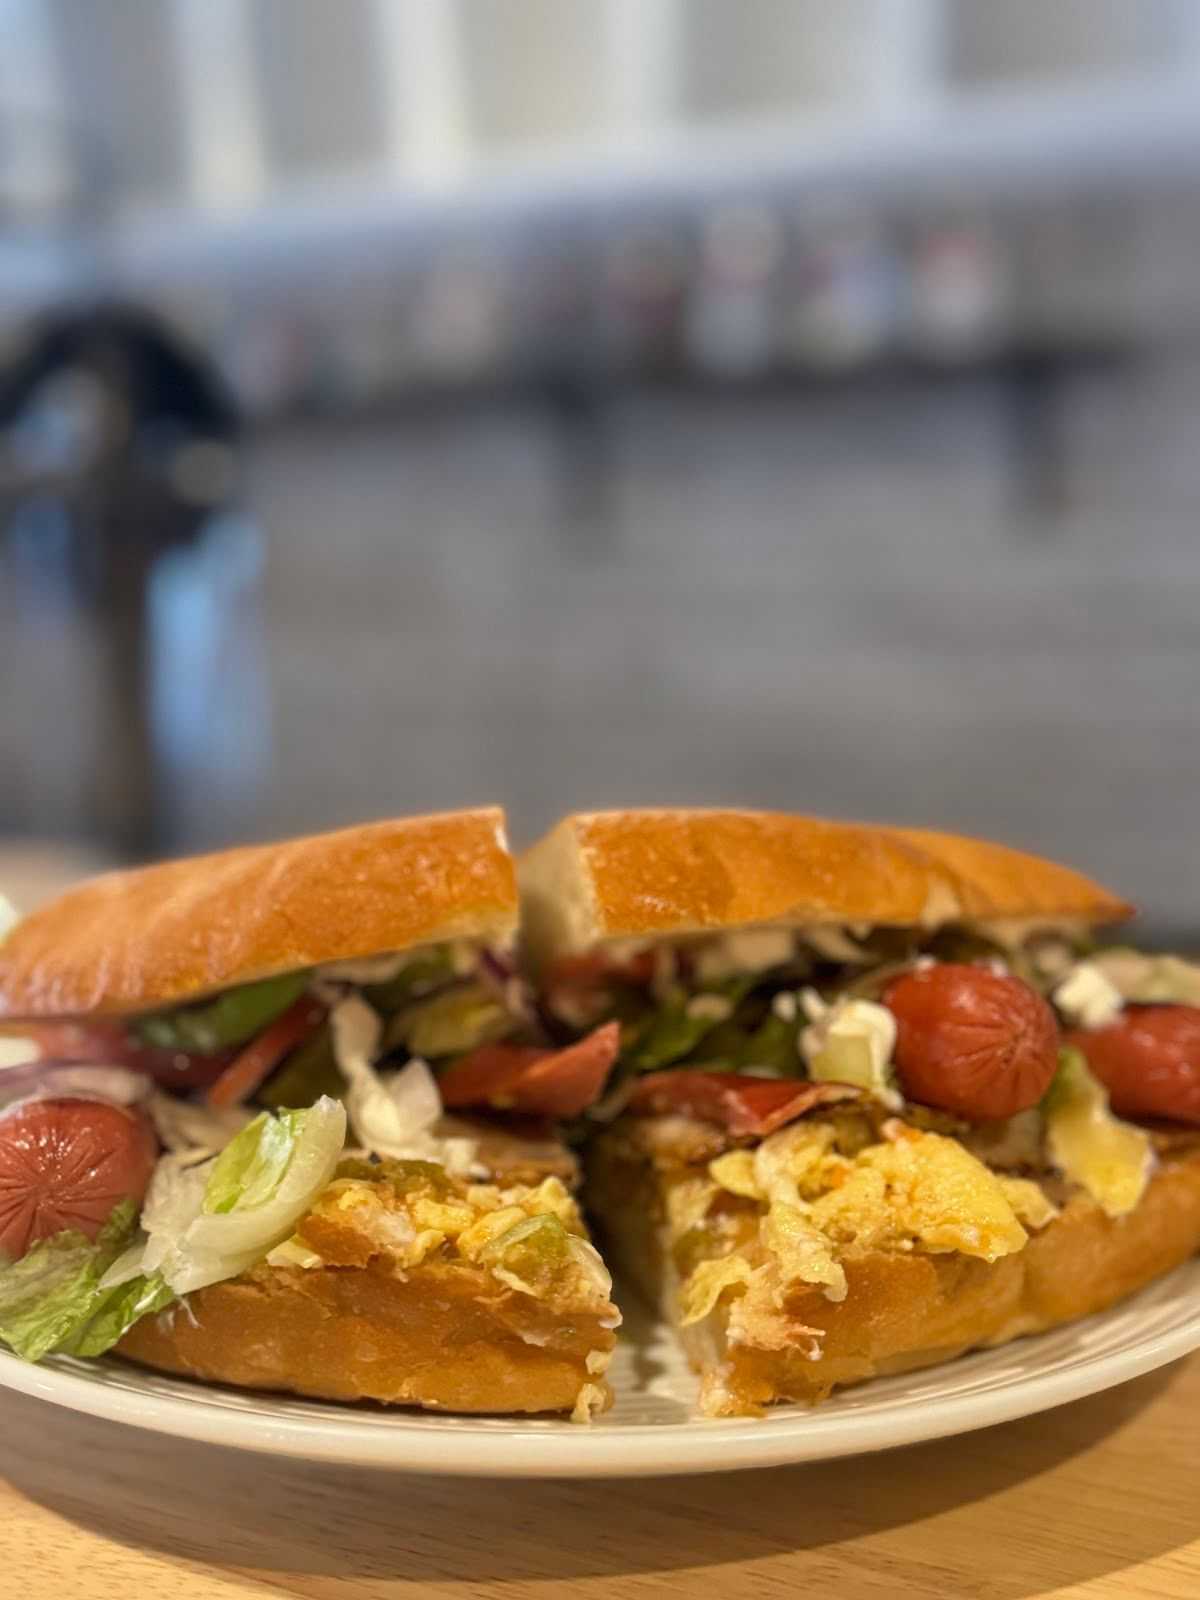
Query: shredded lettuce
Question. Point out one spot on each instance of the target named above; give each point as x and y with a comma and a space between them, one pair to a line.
396, 1115
205, 1224
52, 1298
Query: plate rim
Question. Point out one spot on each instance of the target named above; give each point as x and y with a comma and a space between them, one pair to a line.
696, 1445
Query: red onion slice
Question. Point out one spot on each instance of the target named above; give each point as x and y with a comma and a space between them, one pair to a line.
43, 1080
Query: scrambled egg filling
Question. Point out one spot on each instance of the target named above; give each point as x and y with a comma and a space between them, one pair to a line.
821, 1193
405, 1213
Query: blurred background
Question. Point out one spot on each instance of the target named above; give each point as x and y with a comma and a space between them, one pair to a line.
413, 403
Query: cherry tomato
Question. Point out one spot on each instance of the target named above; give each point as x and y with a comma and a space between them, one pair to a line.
1149, 1061
65, 1164
737, 1101
971, 1041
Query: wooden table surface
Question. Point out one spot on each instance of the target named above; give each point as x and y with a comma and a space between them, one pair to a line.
1100, 1498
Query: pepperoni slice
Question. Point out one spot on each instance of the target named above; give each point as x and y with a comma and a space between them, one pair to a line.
735, 1101
65, 1164
548, 1083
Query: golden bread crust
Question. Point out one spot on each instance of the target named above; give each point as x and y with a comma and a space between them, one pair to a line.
632, 874
993, 880
902, 1310
445, 1335
131, 941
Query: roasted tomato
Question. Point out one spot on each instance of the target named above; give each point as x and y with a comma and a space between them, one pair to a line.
971, 1041
1149, 1061
523, 1078
597, 968
736, 1101
256, 1061
583, 989
65, 1164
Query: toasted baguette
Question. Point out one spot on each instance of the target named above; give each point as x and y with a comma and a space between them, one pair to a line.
902, 1311
639, 874
443, 1335
130, 941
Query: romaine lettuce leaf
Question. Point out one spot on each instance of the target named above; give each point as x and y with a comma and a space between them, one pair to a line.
116, 1311
251, 1165
51, 1298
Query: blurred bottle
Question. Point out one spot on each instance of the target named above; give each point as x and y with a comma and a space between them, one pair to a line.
459, 325
646, 270
730, 318
839, 300
118, 472
958, 288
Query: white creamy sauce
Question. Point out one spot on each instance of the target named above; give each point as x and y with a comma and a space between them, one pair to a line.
1087, 997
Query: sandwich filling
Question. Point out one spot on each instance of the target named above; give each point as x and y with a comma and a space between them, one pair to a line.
805, 1099
324, 1119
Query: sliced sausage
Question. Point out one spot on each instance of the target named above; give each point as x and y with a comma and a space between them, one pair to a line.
67, 1163
1149, 1061
972, 1041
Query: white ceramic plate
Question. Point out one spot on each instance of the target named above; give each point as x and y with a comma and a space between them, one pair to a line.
651, 1429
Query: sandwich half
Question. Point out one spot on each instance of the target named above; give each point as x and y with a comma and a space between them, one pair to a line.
234, 1159
880, 1099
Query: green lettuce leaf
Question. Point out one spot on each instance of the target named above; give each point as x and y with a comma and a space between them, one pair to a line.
51, 1298
116, 1311
681, 1025
205, 1224
249, 1169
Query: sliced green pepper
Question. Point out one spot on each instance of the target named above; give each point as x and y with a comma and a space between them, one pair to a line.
405, 1176
306, 1074
680, 1027
771, 1047
228, 1020
419, 975
673, 1034
450, 1023
533, 1250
